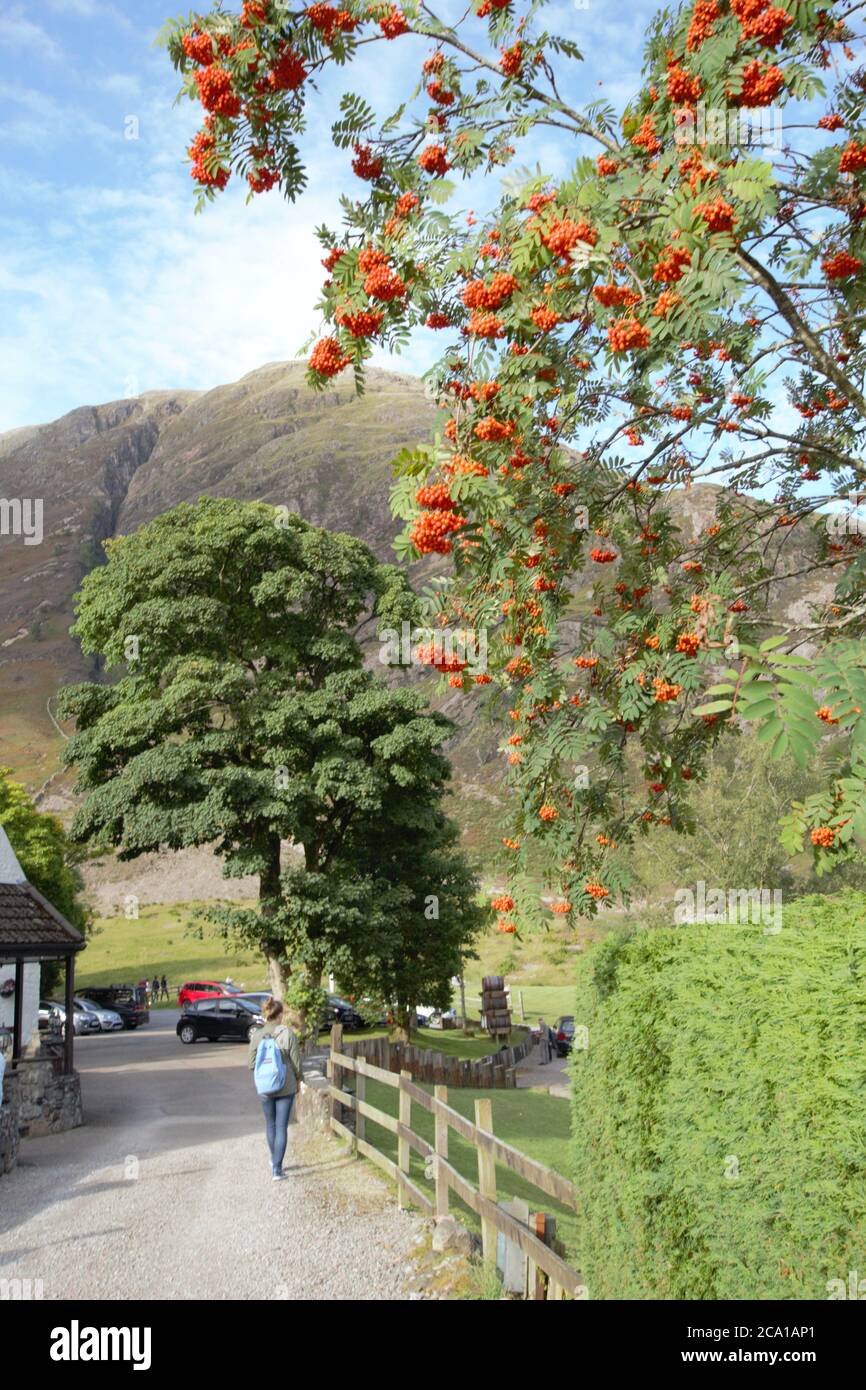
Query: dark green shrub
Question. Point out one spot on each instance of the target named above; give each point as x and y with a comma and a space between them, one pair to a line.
720, 1109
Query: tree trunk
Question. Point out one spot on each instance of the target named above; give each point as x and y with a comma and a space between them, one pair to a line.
402, 1026
269, 900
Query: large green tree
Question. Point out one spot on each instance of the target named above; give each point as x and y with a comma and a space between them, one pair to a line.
242, 716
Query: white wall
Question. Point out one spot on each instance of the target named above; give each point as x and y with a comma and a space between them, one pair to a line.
29, 1002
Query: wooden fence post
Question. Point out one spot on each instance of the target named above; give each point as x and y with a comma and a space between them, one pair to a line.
335, 1071
441, 1145
486, 1177
360, 1094
404, 1102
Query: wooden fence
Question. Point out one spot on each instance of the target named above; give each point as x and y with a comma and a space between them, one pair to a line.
563, 1281
425, 1064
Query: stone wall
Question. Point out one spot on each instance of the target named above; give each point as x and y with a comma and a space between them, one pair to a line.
37, 1099
49, 1101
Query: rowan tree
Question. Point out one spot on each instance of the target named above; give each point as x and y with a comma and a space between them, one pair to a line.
240, 715
685, 306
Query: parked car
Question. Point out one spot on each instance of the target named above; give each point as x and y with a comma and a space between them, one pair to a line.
339, 1010
82, 1020
257, 997
205, 989
109, 1020
130, 1001
563, 1033
218, 1018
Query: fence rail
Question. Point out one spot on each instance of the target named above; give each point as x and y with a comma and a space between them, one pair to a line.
425, 1064
563, 1281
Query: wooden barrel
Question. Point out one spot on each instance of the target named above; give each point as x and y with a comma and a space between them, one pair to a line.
491, 982
496, 999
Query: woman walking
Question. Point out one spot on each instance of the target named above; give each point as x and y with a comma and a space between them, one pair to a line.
275, 1057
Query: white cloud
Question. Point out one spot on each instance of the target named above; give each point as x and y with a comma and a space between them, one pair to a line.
18, 32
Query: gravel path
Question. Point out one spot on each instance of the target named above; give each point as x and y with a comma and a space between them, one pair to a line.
166, 1192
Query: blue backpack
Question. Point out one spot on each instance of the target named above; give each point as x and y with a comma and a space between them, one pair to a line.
270, 1069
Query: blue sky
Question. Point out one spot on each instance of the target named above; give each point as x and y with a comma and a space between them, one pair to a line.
109, 284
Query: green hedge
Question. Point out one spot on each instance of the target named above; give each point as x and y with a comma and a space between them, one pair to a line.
715, 1051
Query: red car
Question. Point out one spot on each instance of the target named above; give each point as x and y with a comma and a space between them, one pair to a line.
204, 989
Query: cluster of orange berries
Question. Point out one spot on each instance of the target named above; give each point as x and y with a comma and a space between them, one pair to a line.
431, 531
689, 642
852, 158
198, 47
825, 714
718, 215
288, 72
672, 265
609, 295
823, 836
434, 160
511, 61
646, 136
330, 21
362, 324
443, 96
665, 690
762, 21
544, 319
701, 25
560, 908
492, 430
606, 167
603, 557
683, 89
328, 358
477, 295
394, 23
485, 326
204, 169
760, 86
365, 164
548, 812
505, 926
563, 234
597, 891
216, 92
841, 266
586, 663
627, 335
503, 903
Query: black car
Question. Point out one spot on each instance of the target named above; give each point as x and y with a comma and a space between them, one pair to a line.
339, 1010
563, 1035
129, 1001
218, 1018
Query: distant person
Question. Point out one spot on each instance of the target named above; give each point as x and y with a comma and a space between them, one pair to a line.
275, 1058
545, 1051
163, 988
155, 992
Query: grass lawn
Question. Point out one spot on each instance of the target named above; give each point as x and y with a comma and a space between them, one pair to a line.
159, 942
536, 1124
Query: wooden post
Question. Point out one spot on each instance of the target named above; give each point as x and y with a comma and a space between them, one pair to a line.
70, 1015
441, 1145
17, 1006
520, 1006
486, 1177
360, 1094
463, 1024
403, 1152
335, 1071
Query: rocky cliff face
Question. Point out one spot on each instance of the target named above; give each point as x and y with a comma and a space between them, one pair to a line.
104, 470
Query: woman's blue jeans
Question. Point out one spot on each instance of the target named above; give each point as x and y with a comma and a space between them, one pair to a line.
278, 1111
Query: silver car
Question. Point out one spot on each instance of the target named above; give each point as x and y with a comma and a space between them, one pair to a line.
82, 1020
109, 1021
